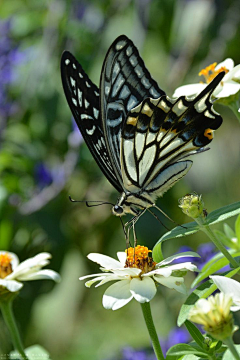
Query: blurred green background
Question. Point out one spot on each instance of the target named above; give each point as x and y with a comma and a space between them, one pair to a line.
43, 158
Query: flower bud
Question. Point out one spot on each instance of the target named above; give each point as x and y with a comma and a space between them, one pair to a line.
215, 316
192, 205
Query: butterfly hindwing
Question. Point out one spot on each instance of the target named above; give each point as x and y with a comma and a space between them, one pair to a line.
83, 99
125, 82
159, 133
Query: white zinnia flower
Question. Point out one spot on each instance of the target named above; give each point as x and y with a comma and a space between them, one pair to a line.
12, 273
137, 276
229, 85
230, 287
214, 314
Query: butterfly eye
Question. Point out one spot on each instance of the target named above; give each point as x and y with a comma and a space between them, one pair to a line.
118, 209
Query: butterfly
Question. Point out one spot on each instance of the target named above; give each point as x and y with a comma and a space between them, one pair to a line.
140, 138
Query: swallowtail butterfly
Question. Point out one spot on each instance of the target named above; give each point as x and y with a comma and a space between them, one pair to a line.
140, 138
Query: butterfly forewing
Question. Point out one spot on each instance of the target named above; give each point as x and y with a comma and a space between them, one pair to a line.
125, 82
158, 133
83, 99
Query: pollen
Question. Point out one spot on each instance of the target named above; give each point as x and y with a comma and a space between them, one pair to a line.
208, 133
5, 265
210, 72
138, 257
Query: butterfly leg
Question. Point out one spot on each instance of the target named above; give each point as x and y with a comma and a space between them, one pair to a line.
131, 225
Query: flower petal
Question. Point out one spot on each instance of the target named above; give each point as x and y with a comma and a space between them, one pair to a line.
11, 285
93, 275
188, 90
110, 278
233, 74
178, 256
117, 295
164, 271
127, 272
42, 274
143, 289
30, 265
227, 63
89, 283
230, 88
230, 287
172, 282
122, 256
105, 261
183, 266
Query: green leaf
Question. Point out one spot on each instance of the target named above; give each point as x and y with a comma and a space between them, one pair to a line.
185, 349
213, 268
177, 232
223, 213
157, 254
195, 333
190, 357
224, 239
228, 231
237, 229
202, 292
214, 217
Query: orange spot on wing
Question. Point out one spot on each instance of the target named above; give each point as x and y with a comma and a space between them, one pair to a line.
208, 133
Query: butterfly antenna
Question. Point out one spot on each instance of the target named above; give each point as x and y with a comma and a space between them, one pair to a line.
96, 202
124, 230
168, 216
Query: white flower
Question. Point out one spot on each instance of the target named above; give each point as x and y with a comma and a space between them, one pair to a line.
229, 85
214, 314
230, 287
137, 278
12, 273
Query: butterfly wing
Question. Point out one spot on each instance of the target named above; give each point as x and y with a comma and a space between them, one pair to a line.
125, 82
159, 133
83, 99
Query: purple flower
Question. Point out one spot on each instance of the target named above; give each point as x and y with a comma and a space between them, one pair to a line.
207, 251
75, 137
176, 336
43, 175
131, 354
10, 57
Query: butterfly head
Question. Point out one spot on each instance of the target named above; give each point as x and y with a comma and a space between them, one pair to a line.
117, 210
131, 204
123, 206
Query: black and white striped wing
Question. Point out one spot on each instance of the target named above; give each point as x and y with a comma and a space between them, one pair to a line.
125, 83
83, 99
159, 133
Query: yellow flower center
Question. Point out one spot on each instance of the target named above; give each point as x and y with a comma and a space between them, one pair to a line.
138, 258
210, 72
5, 265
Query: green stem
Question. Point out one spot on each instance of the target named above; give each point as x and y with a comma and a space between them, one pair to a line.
151, 330
230, 344
6, 307
208, 231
